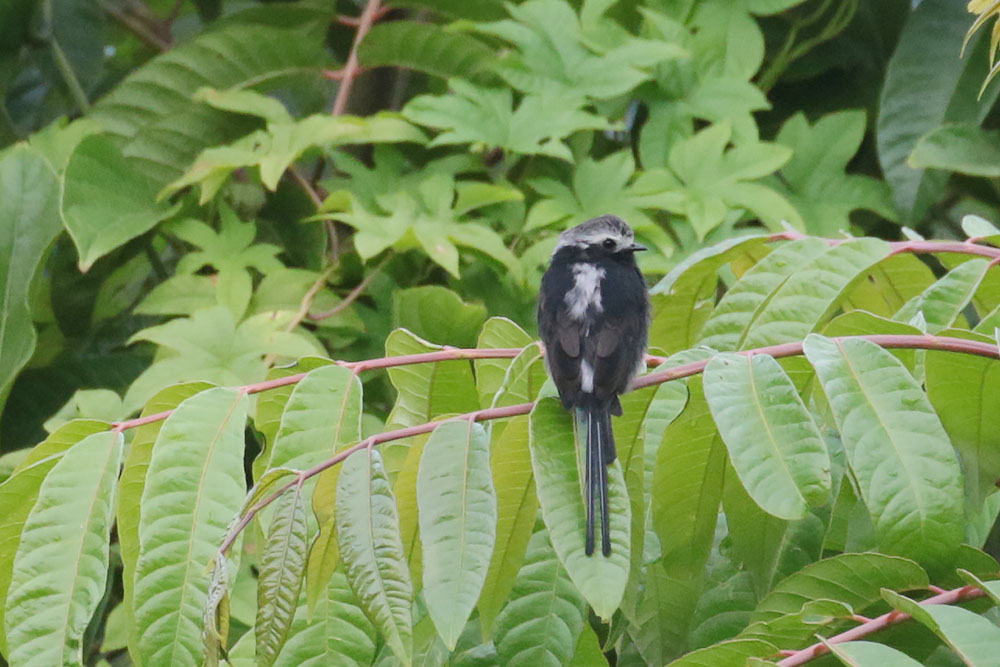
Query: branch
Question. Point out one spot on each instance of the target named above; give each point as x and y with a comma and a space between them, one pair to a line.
370, 14
353, 295
448, 354
890, 341
659, 377
967, 247
875, 625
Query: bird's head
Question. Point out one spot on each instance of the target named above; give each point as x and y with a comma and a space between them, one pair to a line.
605, 235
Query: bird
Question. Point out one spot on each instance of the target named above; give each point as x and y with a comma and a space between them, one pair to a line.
593, 319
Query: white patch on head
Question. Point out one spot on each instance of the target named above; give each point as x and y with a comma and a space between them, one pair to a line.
586, 291
586, 376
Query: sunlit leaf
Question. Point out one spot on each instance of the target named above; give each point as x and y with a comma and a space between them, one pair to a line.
554, 459
372, 551
60, 570
458, 519
906, 469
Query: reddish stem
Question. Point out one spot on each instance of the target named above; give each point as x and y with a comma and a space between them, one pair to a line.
351, 68
686, 370
875, 625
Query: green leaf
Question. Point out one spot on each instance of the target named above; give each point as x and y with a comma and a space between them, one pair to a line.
101, 219
274, 149
799, 629
239, 100
546, 614
517, 507
588, 650
926, 85
426, 48
282, 566
853, 579
194, 486
271, 406
687, 483
769, 7
859, 654
906, 469
210, 346
738, 308
814, 179
29, 221
178, 295
322, 416
961, 147
551, 54
943, 302
676, 298
133, 483
977, 227
707, 178
458, 521
733, 653
438, 315
497, 332
663, 617
151, 113
599, 186
324, 554
427, 390
810, 296
19, 492
773, 443
965, 392
430, 218
336, 633
556, 463
61, 567
973, 637
891, 283
405, 490
372, 551
486, 117
525, 378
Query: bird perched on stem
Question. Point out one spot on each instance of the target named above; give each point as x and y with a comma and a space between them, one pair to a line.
593, 317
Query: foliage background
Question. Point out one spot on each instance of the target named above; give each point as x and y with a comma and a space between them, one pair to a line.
198, 194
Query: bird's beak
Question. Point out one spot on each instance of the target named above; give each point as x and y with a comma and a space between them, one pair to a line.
636, 247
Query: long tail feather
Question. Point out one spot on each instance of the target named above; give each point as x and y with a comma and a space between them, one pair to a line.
600, 453
589, 483
605, 443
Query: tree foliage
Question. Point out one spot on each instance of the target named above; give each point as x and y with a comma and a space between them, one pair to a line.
270, 389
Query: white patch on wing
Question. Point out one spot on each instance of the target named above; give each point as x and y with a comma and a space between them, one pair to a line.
586, 291
586, 376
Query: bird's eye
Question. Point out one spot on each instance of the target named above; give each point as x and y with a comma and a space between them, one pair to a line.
609, 244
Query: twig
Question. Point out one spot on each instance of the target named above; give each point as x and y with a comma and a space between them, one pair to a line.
353, 295
307, 187
303, 311
351, 69
448, 354
69, 76
138, 28
354, 21
875, 625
